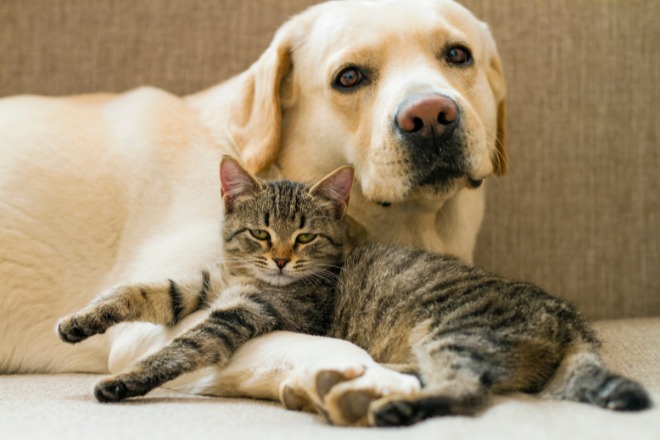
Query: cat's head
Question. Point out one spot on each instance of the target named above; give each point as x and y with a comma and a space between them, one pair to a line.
281, 232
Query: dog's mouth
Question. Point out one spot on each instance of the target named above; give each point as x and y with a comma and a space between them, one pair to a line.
435, 191
425, 176
438, 176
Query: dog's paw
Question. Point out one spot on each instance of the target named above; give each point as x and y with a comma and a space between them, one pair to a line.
345, 394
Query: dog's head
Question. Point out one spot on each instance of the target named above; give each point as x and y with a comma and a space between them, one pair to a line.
411, 94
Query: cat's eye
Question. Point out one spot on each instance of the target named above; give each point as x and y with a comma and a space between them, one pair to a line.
305, 238
260, 234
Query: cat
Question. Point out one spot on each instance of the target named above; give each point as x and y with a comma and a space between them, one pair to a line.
465, 333
283, 247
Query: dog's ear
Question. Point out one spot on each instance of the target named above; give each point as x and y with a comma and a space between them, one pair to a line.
255, 113
495, 74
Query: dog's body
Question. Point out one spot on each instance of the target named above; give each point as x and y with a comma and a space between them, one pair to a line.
107, 189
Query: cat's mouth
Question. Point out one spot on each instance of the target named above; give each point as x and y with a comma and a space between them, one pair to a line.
276, 278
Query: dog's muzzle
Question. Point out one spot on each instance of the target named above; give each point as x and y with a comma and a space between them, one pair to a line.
429, 125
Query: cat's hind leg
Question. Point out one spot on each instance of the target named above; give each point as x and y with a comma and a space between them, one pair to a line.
461, 394
582, 377
457, 372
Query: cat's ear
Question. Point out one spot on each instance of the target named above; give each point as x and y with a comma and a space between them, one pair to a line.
236, 183
336, 187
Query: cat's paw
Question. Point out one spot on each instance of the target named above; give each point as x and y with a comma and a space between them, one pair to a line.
110, 390
623, 394
117, 388
77, 328
401, 410
344, 395
394, 412
69, 331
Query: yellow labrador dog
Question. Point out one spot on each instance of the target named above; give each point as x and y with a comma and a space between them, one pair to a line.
106, 189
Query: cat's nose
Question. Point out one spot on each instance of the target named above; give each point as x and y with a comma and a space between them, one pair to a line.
281, 262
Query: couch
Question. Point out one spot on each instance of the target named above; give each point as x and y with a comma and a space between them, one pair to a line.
579, 212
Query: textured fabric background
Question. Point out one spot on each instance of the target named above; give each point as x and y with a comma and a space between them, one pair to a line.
579, 212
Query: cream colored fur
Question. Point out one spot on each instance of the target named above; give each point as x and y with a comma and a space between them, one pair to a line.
106, 189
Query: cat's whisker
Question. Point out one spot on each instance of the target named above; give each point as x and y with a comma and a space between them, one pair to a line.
323, 275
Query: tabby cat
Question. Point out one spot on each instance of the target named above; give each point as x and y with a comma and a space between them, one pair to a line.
464, 332
283, 247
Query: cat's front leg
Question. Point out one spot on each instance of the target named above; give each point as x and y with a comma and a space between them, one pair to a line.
313, 373
163, 303
185, 353
211, 343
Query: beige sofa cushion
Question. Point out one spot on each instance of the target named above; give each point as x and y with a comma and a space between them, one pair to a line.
54, 407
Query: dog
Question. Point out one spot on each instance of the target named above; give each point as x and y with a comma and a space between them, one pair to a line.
97, 190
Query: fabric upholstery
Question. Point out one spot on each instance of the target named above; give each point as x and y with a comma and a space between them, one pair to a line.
579, 212
47, 407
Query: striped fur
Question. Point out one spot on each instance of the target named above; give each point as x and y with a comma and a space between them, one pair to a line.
270, 280
467, 333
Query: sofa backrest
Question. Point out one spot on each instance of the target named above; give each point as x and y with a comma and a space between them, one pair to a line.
579, 213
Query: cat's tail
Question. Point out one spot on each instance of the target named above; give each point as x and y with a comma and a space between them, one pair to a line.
582, 377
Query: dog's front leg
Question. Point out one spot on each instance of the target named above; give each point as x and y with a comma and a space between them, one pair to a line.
332, 376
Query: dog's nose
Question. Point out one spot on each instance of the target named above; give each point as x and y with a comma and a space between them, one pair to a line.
428, 116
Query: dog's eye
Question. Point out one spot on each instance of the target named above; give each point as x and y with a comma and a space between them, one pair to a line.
349, 77
458, 55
